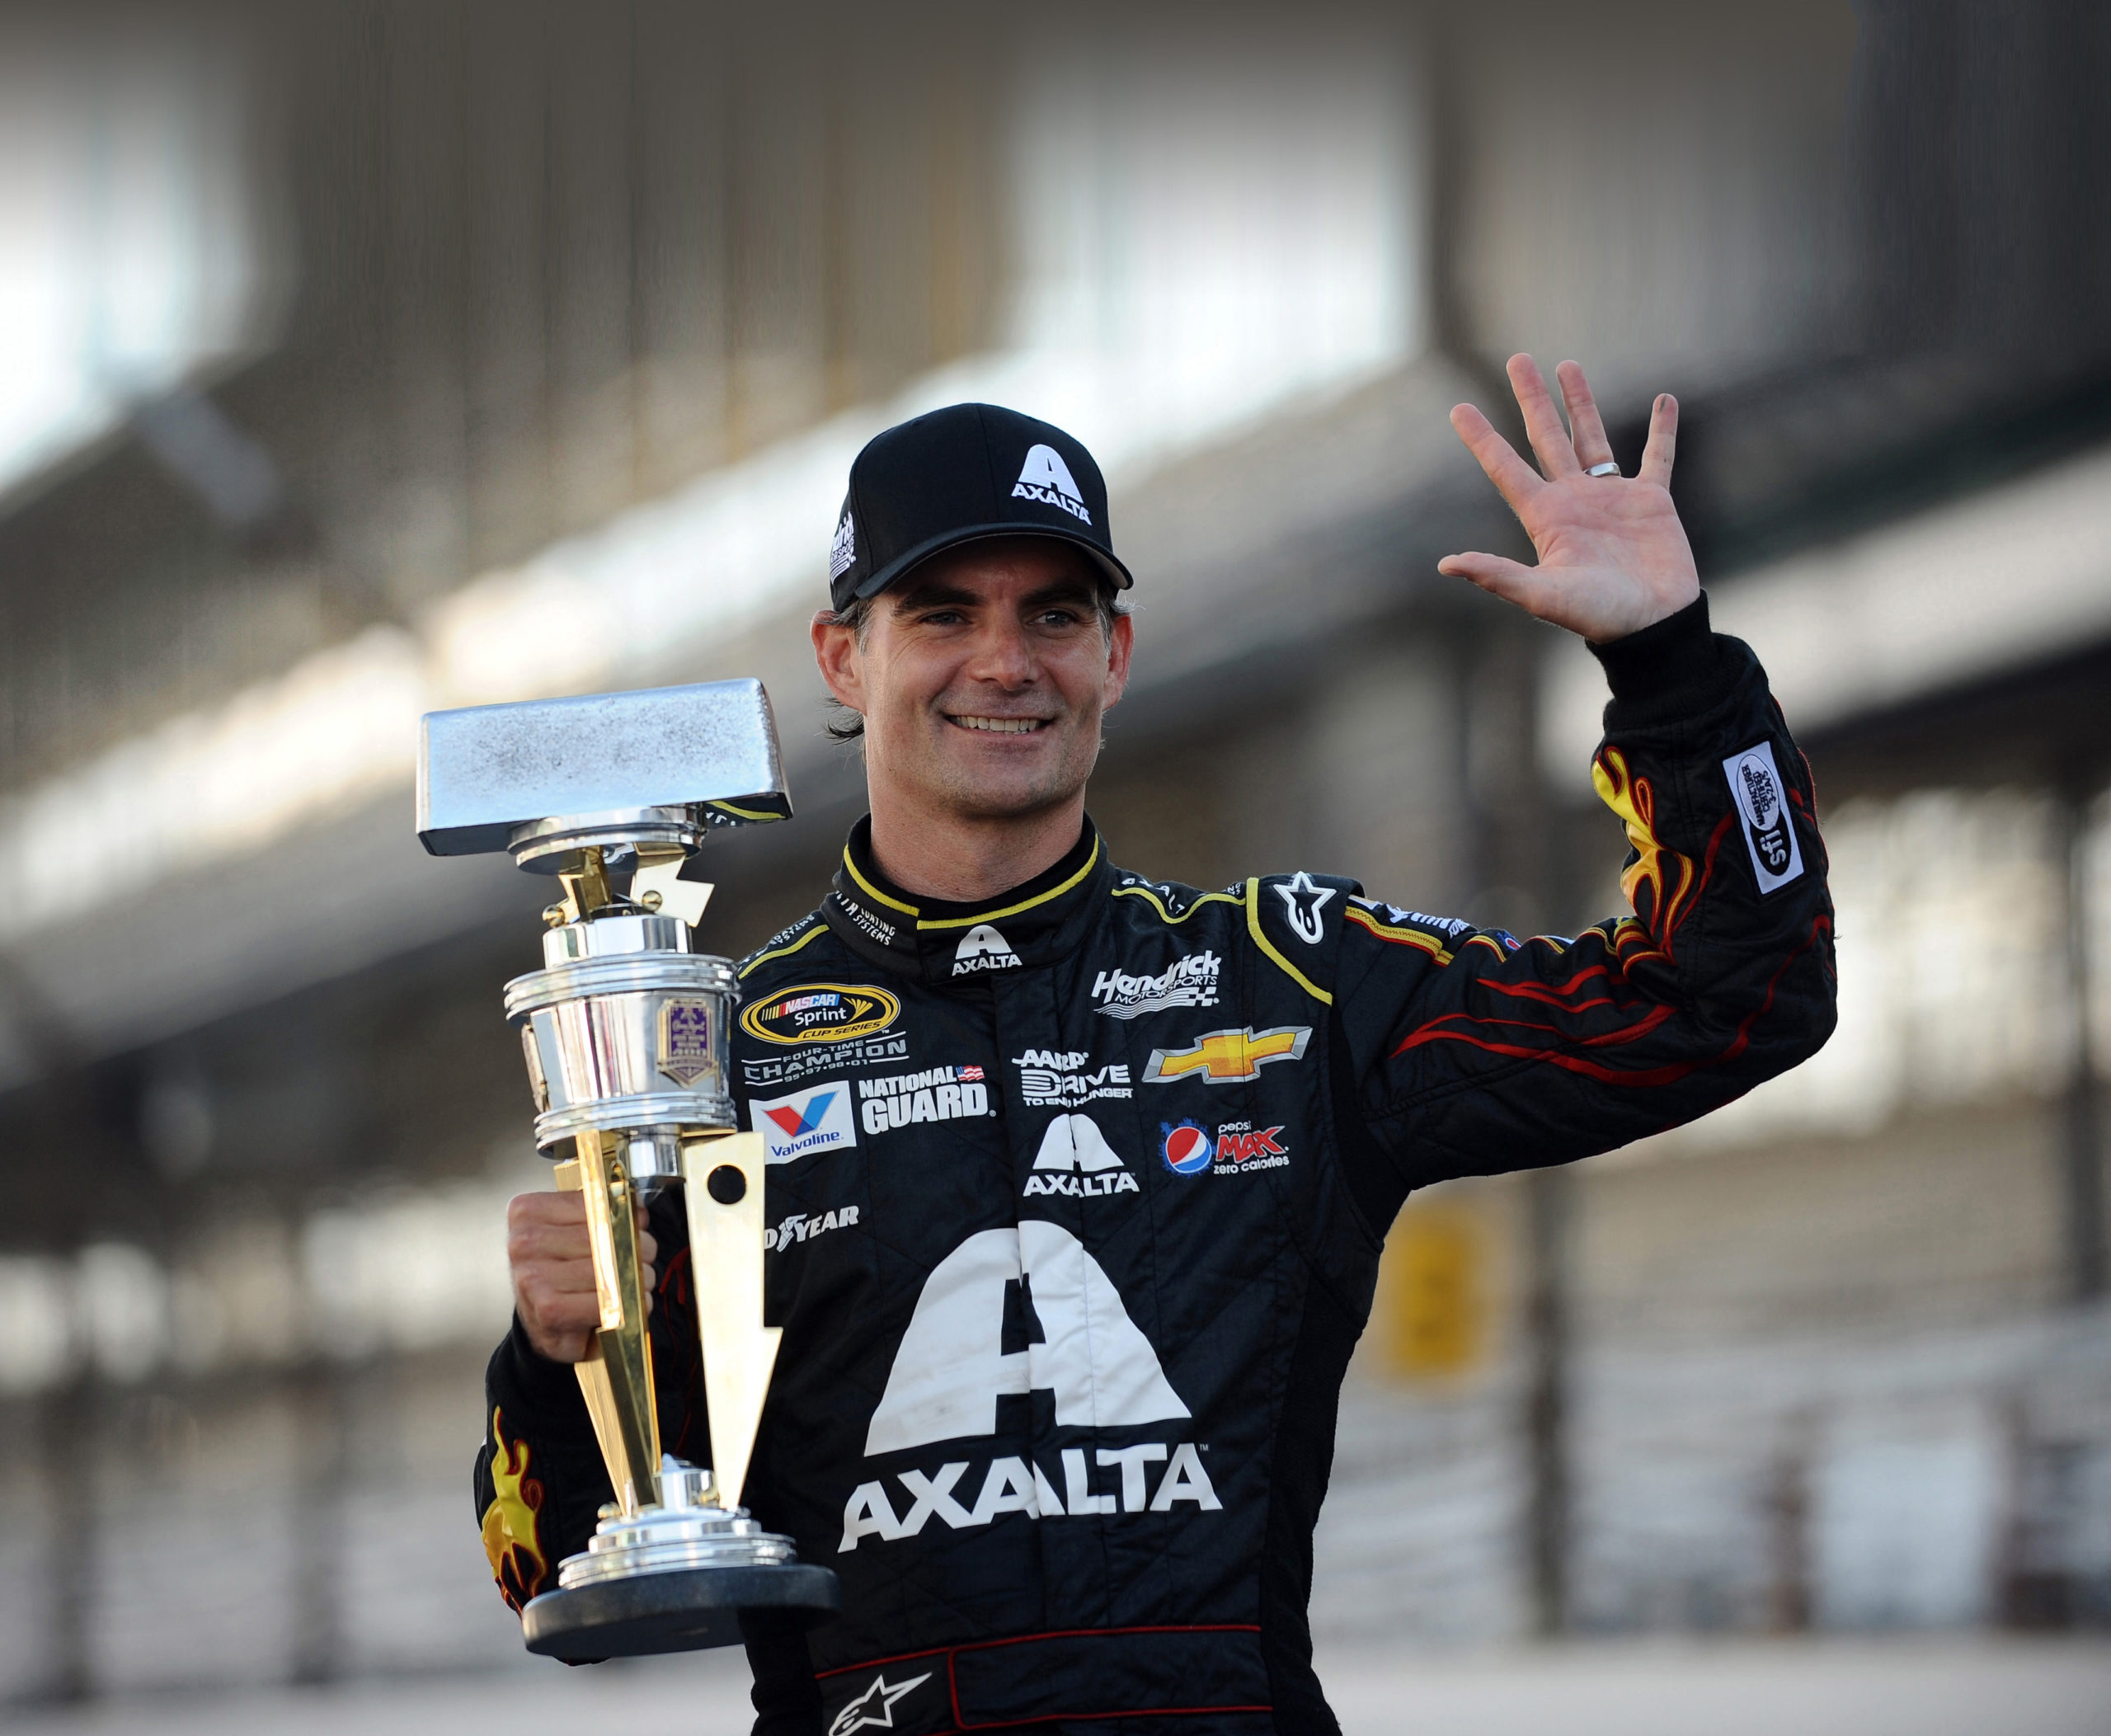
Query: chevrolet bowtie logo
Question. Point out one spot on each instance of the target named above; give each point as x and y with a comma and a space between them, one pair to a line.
1224, 1055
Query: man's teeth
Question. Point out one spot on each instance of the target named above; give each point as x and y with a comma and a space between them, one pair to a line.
1001, 726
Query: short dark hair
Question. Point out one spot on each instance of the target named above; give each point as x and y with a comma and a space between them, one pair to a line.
845, 724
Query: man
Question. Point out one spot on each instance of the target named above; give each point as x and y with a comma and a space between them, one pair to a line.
1079, 1180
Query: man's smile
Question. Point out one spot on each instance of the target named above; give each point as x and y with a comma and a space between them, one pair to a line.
997, 725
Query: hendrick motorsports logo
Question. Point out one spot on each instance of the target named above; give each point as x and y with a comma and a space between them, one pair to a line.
820, 1012
1191, 982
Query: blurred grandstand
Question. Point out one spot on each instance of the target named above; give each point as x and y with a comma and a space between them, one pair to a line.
363, 359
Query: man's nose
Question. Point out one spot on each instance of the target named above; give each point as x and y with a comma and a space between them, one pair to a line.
1004, 655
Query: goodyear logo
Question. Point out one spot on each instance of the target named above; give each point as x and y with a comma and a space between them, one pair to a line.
1223, 1056
820, 1012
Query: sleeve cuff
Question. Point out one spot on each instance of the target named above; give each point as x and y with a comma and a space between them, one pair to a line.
1671, 668
547, 1391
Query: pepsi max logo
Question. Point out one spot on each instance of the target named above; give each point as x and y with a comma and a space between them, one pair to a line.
1187, 1147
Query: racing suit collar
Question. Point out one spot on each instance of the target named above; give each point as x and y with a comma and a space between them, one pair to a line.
1029, 926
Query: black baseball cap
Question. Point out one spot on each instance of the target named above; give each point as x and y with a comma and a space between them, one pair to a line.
964, 471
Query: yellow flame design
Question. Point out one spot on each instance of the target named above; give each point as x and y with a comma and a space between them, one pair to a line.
512, 1536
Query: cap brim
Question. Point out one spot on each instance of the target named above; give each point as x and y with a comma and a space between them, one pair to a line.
902, 564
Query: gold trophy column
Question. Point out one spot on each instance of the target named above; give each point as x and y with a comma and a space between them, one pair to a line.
617, 1375
722, 1187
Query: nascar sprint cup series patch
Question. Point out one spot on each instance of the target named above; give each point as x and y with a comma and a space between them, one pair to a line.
1762, 807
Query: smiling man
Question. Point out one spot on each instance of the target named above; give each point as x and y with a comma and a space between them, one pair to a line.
1079, 1179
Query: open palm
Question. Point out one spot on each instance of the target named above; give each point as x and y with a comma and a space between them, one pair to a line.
1613, 556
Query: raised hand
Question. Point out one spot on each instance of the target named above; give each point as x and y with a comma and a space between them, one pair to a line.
1613, 556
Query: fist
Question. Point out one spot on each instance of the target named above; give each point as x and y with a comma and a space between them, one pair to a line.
553, 1262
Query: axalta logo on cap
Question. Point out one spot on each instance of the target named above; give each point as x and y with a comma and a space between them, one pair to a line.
1224, 1056
1046, 478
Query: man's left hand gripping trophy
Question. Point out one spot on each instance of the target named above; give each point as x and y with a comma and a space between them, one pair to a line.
625, 1034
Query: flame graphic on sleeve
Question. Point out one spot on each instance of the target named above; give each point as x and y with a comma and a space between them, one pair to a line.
512, 1535
1666, 875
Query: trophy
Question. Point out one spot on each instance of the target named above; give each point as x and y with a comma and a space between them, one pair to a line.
624, 1029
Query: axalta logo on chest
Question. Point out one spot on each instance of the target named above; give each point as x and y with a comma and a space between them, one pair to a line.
983, 949
1075, 1160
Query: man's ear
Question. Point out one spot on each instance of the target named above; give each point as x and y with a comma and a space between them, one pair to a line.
835, 651
1120, 643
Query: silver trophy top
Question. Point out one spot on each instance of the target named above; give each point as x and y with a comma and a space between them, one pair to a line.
652, 770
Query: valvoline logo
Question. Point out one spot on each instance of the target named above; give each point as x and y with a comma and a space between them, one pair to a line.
804, 1118
816, 1119
1187, 1147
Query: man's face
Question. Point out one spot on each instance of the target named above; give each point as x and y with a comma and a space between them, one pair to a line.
982, 679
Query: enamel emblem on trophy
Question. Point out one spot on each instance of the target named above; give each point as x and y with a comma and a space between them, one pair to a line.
625, 1033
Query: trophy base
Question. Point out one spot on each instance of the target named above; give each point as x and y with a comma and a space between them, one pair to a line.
672, 1577
689, 1609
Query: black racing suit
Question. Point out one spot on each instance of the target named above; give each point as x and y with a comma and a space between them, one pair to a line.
1076, 1201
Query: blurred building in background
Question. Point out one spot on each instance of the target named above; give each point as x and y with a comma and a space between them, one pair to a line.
363, 359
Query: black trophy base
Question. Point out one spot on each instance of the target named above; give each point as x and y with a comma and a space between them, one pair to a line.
687, 1609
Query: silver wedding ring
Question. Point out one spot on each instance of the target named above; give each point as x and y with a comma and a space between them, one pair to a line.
1608, 468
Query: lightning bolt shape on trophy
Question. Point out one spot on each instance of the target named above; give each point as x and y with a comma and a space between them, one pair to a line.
624, 1033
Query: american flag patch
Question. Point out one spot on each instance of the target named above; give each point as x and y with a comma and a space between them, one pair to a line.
969, 1072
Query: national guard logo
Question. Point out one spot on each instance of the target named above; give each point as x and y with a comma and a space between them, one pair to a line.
686, 1040
820, 1012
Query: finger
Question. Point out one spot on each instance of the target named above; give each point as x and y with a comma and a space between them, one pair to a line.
1542, 420
569, 1277
1510, 580
1663, 443
648, 1247
1587, 429
1515, 480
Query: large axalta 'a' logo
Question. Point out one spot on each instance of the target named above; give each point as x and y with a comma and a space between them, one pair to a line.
952, 1368
820, 1012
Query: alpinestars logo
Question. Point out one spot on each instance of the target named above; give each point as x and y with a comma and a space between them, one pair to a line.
952, 1368
1191, 982
1075, 1160
983, 949
1303, 900
874, 1708
842, 551
1046, 478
